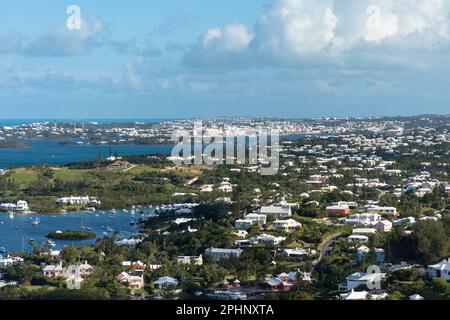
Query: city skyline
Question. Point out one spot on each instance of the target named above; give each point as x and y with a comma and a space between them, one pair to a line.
268, 58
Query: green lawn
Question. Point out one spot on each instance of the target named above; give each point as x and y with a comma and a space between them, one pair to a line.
24, 175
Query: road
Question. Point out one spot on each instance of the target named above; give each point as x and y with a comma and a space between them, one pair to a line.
325, 246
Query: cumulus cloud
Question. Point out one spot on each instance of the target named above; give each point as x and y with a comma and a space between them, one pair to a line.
58, 42
65, 42
234, 38
298, 31
220, 48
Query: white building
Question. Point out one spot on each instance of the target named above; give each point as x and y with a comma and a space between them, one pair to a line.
358, 238
77, 201
268, 239
383, 226
276, 211
295, 253
440, 270
384, 211
256, 218
195, 260
364, 231
365, 219
289, 225
6, 261
20, 206
362, 295
220, 254
369, 280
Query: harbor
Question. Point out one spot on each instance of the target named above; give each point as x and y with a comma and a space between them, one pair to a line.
23, 232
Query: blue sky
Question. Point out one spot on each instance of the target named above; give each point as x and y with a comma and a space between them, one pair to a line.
191, 58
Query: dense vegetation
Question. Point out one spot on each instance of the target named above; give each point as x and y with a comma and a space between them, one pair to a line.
75, 235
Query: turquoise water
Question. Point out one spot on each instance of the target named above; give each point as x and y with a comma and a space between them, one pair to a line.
51, 152
16, 233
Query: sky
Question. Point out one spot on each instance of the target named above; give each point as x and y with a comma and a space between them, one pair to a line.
160, 59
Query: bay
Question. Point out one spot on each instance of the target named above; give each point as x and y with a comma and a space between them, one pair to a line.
52, 152
16, 233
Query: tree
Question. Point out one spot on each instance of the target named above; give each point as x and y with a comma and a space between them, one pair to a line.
432, 241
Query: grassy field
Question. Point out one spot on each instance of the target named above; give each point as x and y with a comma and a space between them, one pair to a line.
70, 174
25, 176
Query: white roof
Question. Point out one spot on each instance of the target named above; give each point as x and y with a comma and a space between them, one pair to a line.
443, 265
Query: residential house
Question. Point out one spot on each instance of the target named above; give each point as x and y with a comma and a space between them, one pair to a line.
6, 261
440, 270
416, 297
268, 239
195, 260
289, 225
294, 253
278, 212
364, 220
256, 219
362, 295
166, 282
19, 206
364, 231
357, 238
133, 282
283, 282
350, 204
221, 254
384, 211
362, 279
83, 270
77, 201
383, 226
54, 271
138, 266
341, 210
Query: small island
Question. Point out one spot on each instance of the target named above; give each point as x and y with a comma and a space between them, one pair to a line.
72, 235
13, 144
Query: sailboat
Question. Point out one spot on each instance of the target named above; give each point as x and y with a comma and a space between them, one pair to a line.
11, 215
83, 227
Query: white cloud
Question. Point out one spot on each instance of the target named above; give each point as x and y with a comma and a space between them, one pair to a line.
303, 31
296, 27
234, 37
58, 42
65, 42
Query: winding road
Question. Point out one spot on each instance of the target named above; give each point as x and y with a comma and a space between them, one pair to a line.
325, 246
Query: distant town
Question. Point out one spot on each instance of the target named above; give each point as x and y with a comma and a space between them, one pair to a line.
358, 210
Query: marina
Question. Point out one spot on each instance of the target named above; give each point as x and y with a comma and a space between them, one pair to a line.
23, 232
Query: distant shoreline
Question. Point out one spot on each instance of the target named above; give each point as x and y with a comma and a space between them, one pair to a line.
13, 144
